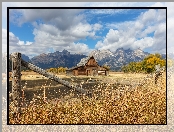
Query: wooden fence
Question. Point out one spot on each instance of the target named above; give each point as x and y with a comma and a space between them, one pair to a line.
17, 61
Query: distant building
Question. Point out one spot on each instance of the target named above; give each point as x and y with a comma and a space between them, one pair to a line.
87, 66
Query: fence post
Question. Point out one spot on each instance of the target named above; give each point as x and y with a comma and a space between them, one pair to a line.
16, 81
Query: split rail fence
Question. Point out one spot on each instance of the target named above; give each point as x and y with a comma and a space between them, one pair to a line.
17, 62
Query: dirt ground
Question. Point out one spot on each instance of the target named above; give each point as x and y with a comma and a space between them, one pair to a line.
33, 83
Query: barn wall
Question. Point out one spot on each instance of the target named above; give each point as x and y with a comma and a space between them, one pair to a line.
75, 72
82, 72
107, 73
87, 72
92, 62
101, 72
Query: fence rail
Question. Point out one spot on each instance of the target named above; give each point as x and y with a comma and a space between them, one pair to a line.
52, 77
17, 61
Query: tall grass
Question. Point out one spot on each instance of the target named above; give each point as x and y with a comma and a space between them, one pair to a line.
140, 105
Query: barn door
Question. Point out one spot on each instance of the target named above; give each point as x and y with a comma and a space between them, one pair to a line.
88, 72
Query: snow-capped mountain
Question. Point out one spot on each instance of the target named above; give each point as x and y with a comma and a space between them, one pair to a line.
118, 58
101, 54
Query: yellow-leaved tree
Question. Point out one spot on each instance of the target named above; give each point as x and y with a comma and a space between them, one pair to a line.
150, 61
147, 65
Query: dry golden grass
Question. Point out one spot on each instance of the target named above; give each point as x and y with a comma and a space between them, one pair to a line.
112, 75
141, 105
34, 76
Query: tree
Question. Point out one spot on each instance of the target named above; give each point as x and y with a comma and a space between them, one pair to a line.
51, 70
150, 61
106, 67
138, 67
147, 65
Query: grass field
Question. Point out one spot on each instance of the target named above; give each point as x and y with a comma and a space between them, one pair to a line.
112, 103
34, 75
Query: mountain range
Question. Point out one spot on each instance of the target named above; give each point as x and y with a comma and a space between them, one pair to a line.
57, 59
118, 58
104, 57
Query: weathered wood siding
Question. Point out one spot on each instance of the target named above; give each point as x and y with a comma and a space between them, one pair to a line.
92, 62
75, 72
91, 68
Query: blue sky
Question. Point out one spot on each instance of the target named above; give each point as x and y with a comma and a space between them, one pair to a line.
25, 32
34, 32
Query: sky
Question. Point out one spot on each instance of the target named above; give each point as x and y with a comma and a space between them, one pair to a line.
36, 31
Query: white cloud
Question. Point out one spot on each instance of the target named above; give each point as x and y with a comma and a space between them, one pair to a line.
97, 26
134, 34
112, 36
61, 18
79, 48
160, 37
80, 30
161, 16
14, 42
148, 17
115, 39
148, 30
144, 42
48, 36
23, 43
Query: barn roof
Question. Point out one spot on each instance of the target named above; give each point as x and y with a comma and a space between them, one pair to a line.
83, 61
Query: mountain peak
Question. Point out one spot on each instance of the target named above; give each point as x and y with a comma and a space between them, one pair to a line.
118, 58
101, 54
65, 51
43, 54
120, 49
138, 51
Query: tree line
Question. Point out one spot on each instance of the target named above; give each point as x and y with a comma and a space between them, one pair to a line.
147, 65
57, 70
